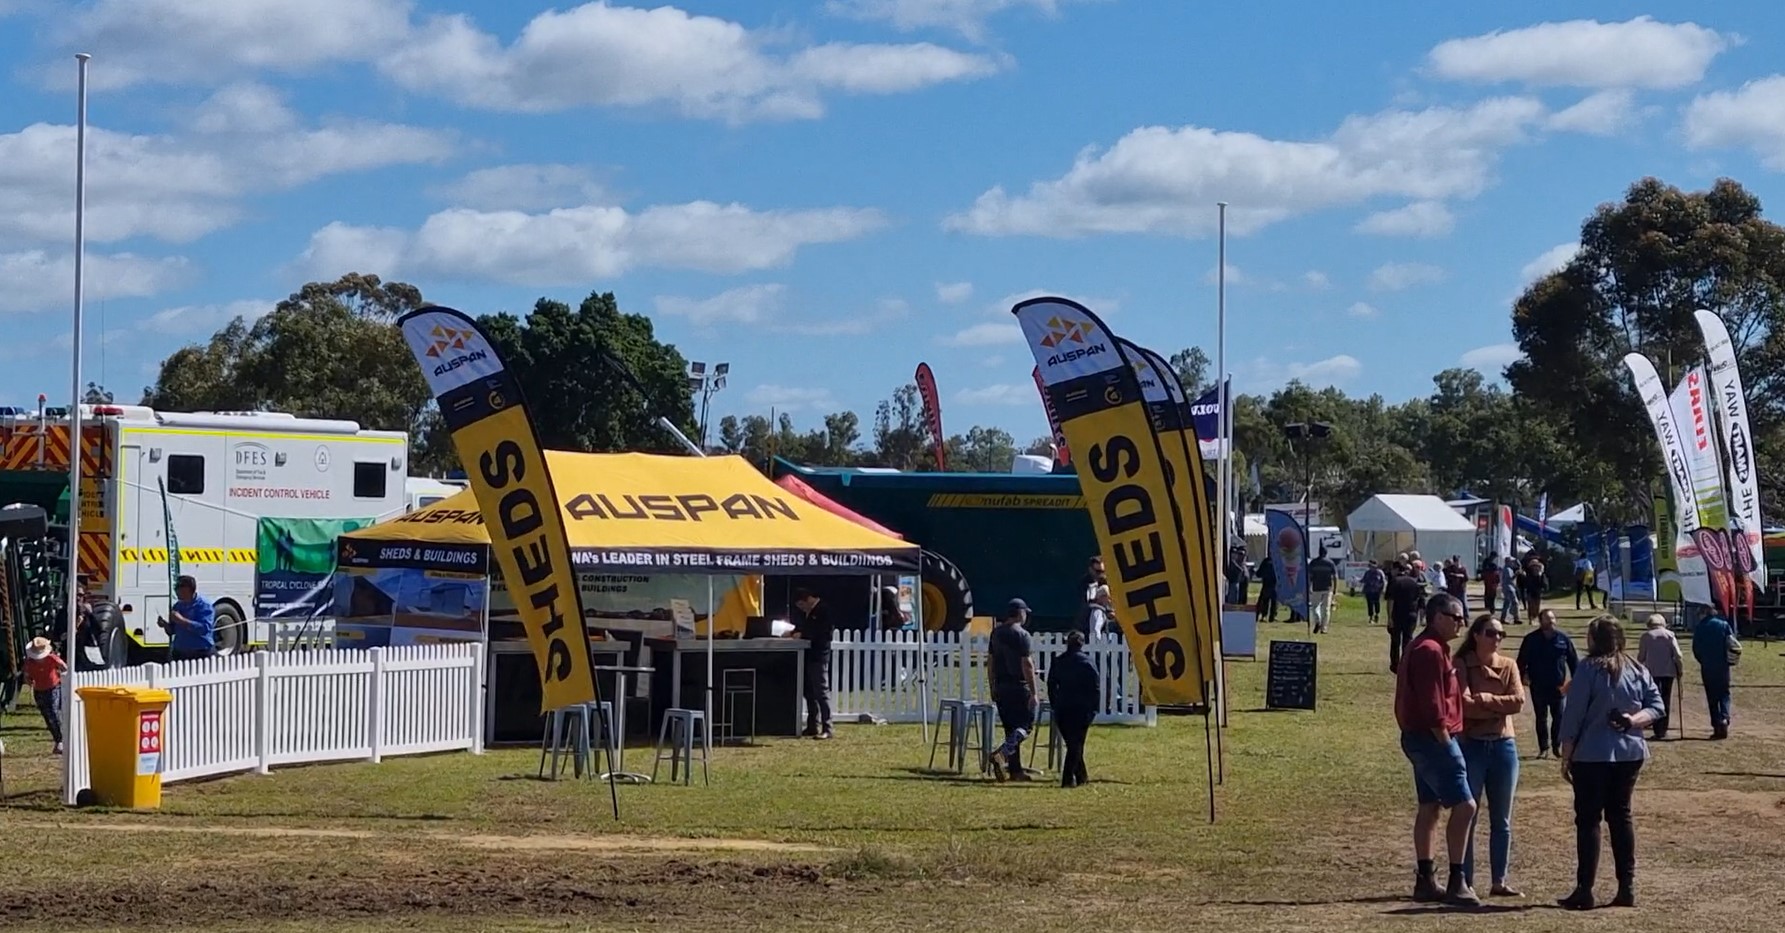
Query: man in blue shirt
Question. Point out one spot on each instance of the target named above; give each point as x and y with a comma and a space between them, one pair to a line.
1715, 648
1546, 661
191, 624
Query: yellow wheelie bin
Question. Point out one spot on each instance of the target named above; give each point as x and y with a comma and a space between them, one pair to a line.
125, 744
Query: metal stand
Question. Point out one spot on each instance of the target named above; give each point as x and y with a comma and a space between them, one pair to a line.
620, 774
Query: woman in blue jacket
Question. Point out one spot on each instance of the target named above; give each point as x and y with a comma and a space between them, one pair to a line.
1073, 690
1610, 702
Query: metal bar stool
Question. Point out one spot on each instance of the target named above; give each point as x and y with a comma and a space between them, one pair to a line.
981, 734
679, 726
736, 686
953, 712
1056, 746
568, 734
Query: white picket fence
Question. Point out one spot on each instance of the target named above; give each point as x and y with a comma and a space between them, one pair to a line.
880, 674
255, 711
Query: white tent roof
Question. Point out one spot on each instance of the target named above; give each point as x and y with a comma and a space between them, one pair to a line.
1407, 513
1573, 516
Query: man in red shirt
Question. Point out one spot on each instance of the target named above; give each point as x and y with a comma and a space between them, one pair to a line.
1429, 710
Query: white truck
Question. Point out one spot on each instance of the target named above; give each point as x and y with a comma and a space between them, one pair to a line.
223, 472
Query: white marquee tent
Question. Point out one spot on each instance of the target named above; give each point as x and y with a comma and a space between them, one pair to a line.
1386, 525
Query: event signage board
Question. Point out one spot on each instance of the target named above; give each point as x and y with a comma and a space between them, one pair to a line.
1287, 544
295, 565
1094, 390
1292, 676
1689, 573
481, 403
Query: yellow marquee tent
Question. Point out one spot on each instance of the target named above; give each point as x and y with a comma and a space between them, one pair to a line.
651, 514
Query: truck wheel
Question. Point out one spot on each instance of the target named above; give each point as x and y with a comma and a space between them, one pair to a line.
232, 635
947, 599
113, 643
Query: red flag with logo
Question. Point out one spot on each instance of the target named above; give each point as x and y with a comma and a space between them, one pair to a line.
1062, 455
932, 412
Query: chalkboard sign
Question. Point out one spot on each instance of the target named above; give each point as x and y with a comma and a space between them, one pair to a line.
1289, 683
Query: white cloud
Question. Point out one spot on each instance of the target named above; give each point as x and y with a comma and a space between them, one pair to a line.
1419, 219
1400, 276
524, 188
790, 398
746, 304
966, 17
699, 66
1552, 260
1753, 117
1362, 310
196, 320
886, 311
1165, 180
579, 244
999, 394
1234, 275
953, 293
998, 325
178, 187
1264, 374
195, 41
1491, 359
39, 281
988, 333
1605, 113
1316, 280
1639, 53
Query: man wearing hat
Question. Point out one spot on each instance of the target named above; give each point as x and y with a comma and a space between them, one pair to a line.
1010, 662
43, 671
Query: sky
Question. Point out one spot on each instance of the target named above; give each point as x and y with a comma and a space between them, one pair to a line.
825, 193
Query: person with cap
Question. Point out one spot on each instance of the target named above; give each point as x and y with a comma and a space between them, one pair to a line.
1073, 688
1010, 664
1659, 652
1429, 712
43, 671
192, 624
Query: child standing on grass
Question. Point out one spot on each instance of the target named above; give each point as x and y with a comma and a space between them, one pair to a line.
43, 671
1072, 691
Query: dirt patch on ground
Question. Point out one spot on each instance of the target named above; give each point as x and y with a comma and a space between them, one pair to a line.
505, 887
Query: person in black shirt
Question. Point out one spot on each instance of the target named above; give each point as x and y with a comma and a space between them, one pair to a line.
1267, 591
1405, 595
1073, 688
816, 627
1010, 662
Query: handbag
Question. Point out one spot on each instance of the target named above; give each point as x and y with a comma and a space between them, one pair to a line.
1732, 649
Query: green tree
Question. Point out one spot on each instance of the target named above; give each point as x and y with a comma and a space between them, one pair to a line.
902, 440
1192, 366
596, 378
981, 450
1645, 264
330, 350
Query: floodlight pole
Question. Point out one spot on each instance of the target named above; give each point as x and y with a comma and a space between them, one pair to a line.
71, 609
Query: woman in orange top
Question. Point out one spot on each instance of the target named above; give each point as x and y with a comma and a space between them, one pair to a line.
1492, 696
43, 671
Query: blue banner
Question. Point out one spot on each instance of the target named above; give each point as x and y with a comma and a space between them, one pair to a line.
1288, 548
1641, 582
1207, 412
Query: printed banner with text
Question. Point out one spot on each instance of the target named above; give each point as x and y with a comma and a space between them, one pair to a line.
481, 403
295, 565
1094, 390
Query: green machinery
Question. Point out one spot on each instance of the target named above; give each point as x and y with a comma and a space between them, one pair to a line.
32, 592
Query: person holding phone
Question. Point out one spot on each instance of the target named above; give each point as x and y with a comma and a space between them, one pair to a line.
1612, 700
191, 624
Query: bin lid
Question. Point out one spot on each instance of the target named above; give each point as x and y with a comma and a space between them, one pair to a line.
139, 695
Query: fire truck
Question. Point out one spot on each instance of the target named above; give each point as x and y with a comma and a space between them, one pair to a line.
221, 471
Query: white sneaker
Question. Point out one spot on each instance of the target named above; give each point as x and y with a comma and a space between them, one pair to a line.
58, 749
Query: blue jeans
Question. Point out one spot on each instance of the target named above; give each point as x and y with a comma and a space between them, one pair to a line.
1509, 602
1716, 693
1440, 775
1493, 772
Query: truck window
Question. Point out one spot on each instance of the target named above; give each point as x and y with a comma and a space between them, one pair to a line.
368, 479
186, 474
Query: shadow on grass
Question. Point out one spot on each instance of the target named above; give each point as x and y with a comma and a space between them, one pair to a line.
1425, 910
1746, 774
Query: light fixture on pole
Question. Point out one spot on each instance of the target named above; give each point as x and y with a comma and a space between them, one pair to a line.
703, 382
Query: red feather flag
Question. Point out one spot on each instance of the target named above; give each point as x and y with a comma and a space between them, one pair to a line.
932, 412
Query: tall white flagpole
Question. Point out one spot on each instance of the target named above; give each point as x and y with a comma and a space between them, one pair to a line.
69, 791
1223, 454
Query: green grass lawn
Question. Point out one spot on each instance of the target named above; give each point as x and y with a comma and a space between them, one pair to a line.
1311, 833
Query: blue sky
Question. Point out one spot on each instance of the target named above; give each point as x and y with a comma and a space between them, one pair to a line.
824, 193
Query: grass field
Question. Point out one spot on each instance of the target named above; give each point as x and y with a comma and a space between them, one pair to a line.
853, 834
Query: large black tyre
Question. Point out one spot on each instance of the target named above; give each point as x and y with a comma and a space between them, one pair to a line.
947, 599
109, 636
232, 635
